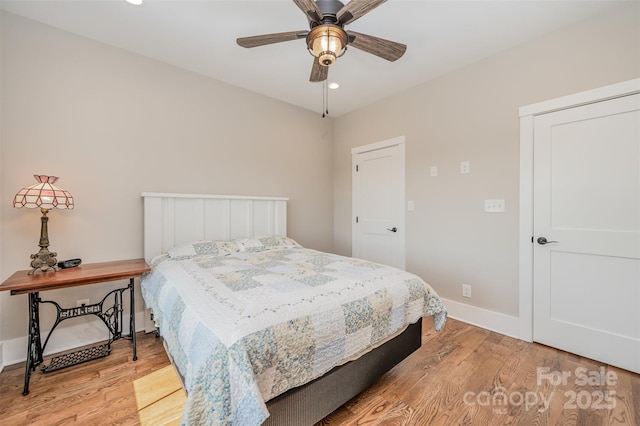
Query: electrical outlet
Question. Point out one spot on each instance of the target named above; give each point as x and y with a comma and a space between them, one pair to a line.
82, 302
464, 167
466, 290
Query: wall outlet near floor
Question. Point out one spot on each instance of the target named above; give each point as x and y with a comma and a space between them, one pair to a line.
82, 302
464, 167
466, 290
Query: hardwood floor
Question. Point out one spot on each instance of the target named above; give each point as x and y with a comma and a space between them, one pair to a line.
461, 376
467, 375
98, 392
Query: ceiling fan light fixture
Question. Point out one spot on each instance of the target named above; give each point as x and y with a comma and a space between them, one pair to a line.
327, 43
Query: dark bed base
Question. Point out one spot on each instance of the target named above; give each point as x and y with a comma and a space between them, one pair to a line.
310, 403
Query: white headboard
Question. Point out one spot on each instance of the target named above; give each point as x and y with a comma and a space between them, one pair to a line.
173, 219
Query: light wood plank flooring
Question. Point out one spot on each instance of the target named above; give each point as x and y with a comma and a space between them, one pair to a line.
461, 376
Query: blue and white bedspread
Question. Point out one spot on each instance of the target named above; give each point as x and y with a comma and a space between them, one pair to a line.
246, 320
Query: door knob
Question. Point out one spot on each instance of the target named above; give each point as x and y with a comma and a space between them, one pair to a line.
394, 229
542, 241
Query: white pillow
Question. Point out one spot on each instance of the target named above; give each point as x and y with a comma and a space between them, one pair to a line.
268, 242
203, 248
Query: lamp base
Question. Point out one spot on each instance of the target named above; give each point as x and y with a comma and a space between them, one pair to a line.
44, 261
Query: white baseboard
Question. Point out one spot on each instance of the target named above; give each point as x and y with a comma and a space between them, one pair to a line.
63, 339
490, 320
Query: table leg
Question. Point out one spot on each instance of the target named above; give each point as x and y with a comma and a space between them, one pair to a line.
132, 318
34, 344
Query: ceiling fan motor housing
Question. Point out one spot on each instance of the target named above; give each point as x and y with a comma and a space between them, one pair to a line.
329, 7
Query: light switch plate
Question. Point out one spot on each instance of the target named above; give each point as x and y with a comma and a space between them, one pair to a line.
494, 206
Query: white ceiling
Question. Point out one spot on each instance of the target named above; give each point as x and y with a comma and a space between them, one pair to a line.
441, 35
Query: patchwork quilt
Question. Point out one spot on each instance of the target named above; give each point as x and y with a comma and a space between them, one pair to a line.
246, 320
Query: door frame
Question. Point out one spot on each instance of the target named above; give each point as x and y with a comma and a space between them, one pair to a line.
527, 114
387, 143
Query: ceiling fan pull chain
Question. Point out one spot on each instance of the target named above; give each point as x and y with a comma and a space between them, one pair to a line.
326, 91
325, 108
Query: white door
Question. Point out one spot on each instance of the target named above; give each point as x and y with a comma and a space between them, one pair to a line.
586, 195
378, 203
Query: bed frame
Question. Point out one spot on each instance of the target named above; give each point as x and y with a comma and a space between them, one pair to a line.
173, 219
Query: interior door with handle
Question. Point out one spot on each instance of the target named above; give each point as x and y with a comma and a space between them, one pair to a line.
378, 205
587, 231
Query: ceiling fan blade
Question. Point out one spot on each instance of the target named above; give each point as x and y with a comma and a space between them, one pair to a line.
356, 9
318, 72
311, 9
386, 49
261, 40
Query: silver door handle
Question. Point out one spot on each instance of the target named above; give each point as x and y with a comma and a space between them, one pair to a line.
542, 241
394, 229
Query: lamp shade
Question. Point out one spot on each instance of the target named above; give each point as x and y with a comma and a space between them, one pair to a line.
43, 195
327, 43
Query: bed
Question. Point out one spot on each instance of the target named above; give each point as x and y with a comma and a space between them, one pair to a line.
248, 315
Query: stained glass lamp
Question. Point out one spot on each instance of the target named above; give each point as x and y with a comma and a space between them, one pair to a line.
45, 196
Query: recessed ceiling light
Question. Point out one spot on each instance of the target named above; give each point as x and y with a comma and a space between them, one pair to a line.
134, 2
333, 85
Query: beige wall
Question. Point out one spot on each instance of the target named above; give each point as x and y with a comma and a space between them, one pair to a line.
112, 124
118, 124
472, 114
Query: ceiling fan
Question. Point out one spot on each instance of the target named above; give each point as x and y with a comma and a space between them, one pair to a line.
327, 39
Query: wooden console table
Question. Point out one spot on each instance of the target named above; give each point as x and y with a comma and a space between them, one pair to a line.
110, 314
